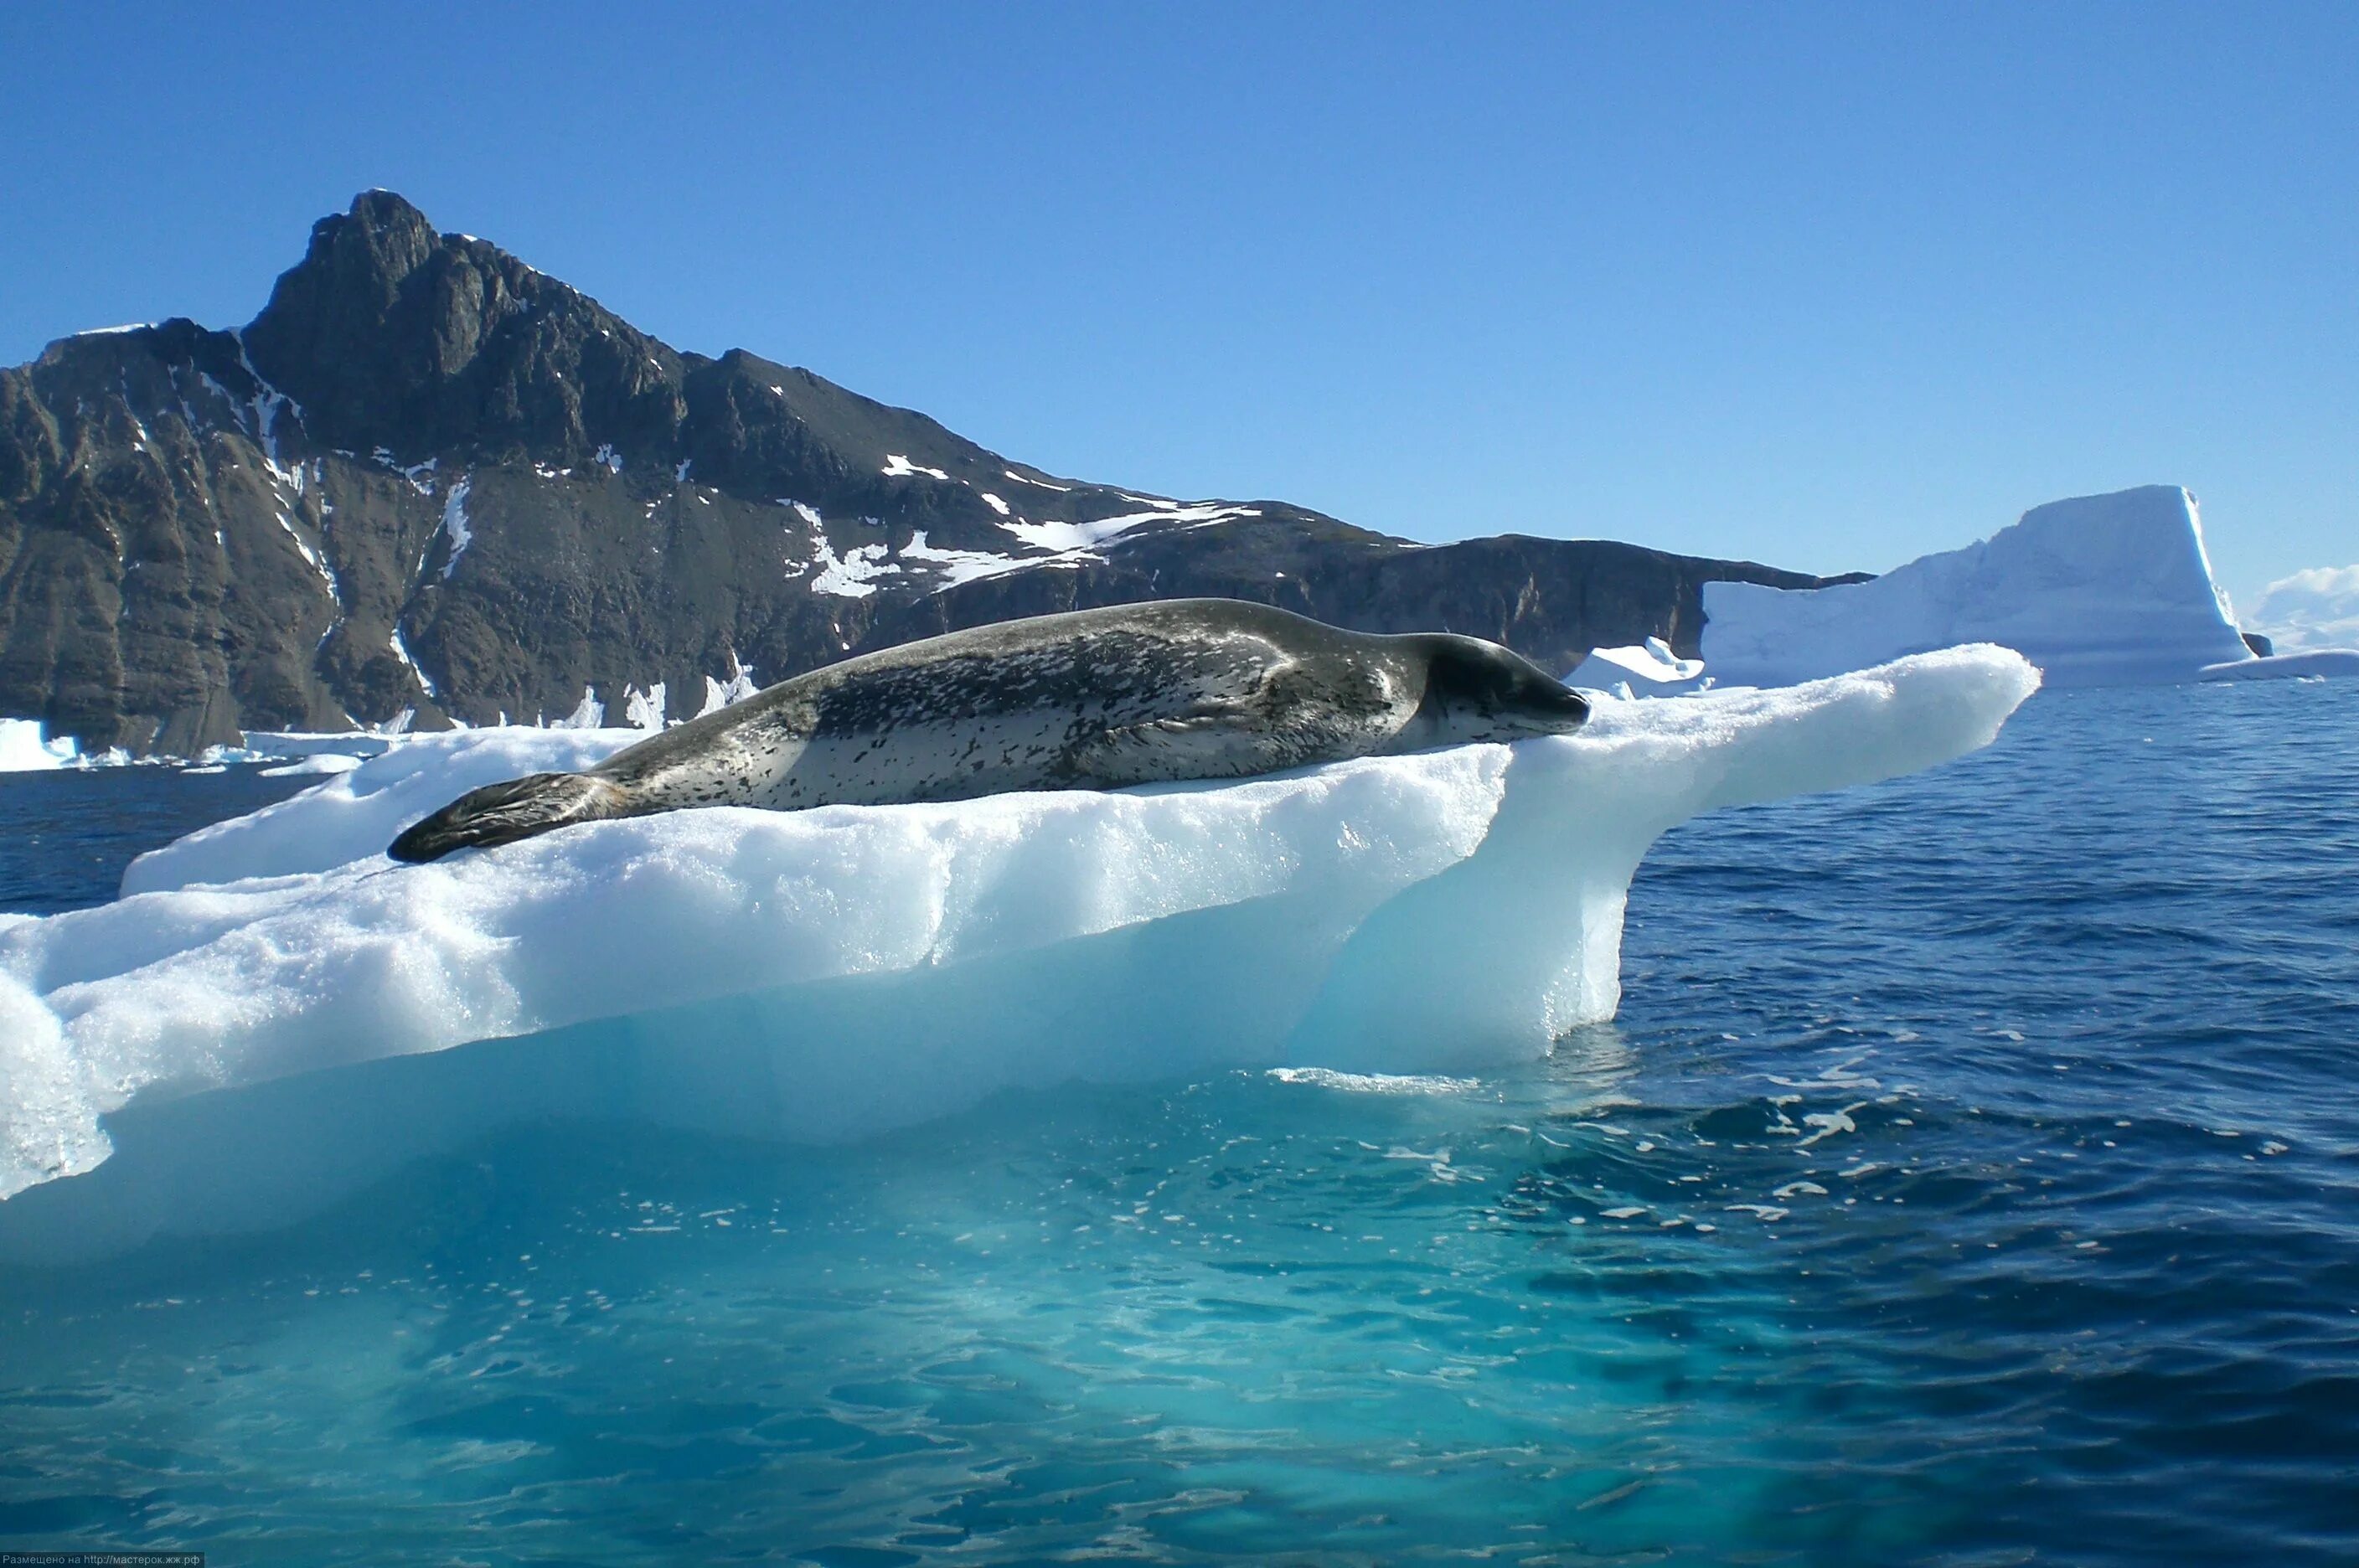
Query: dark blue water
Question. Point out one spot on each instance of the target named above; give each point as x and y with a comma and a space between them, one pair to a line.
1972, 1178
69, 834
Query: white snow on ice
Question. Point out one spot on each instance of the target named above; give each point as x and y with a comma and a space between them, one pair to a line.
323, 763
2099, 591
346, 820
1648, 669
261, 1048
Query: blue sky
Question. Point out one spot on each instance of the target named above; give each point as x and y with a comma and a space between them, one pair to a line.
1822, 286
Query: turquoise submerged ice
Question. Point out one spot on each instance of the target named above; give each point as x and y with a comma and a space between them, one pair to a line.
828, 974
2014, 1095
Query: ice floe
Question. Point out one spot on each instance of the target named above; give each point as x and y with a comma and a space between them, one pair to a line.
258, 1047
318, 763
2318, 664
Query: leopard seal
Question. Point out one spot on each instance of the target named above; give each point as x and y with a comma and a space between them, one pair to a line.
1178, 689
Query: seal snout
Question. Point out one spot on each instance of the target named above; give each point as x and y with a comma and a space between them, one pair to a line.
503, 813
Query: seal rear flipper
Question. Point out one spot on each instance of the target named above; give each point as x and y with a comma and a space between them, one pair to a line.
503, 813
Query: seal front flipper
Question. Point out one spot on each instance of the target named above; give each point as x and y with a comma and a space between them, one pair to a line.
1210, 742
503, 813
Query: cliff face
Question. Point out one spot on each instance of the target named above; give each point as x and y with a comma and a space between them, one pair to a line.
429, 477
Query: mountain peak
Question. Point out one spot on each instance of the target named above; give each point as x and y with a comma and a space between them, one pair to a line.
387, 333
369, 250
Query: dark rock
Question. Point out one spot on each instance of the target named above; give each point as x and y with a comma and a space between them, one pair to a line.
429, 477
2261, 646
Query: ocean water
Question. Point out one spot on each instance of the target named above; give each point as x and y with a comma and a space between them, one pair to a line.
1972, 1178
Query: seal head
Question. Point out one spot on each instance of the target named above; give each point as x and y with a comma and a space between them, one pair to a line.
505, 812
1477, 691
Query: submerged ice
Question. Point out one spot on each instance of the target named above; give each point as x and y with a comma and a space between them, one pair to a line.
211, 1053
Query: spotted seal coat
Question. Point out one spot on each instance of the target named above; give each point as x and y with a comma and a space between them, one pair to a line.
1093, 699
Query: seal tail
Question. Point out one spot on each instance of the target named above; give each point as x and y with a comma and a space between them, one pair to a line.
503, 813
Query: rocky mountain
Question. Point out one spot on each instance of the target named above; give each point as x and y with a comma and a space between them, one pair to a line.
428, 477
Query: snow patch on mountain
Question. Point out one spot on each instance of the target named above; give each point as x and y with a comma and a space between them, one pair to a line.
455, 526
957, 566
854, 573
1063, 537
1026, 479
401, 652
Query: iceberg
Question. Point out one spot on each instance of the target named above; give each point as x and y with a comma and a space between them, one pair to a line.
2099, 591
274, 1015
1648, 669
25, 749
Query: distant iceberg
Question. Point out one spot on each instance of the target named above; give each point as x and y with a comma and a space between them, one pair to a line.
2099, 591
206, 1056
25, 749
